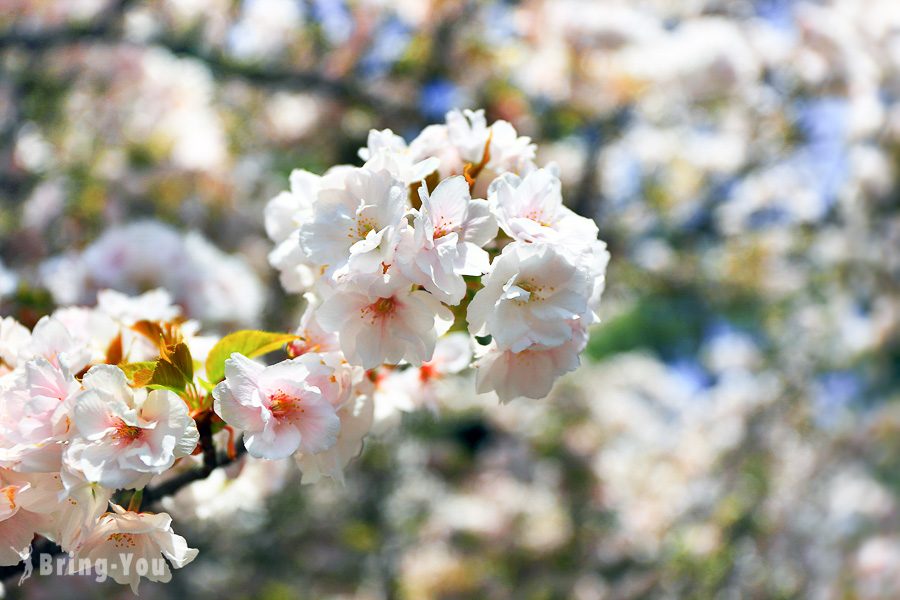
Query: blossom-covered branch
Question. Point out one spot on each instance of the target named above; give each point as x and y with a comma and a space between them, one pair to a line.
452, 251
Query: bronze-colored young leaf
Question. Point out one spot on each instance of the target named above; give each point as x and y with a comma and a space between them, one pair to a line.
167, 376
180, 357
114, 353
139, 373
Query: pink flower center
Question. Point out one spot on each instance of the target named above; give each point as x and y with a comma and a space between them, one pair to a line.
538, 217
363, 227
379, 310
441, 229
283, 405
126, 432
383, 306
122, 540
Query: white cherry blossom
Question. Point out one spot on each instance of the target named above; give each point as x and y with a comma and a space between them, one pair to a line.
530, 373
356, 421
13, 338
123, 436
446, 243
36, 416
358, 222
400, 391
282, 408
141, 536
530, 296
386, 324
153, 305
26, 502
530, 209
284, 214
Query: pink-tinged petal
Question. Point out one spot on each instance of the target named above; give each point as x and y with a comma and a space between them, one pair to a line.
286, 373
280, 441
242, 375
97, 461
333, 313
374, 348
174, 547
171, 416
319, 426
109, 379
234, 412
92, 416
447, 204
16, 534
179, 424
480, 226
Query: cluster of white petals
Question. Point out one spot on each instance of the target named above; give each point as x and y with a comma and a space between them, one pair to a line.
74, 430
410, 279
396, 253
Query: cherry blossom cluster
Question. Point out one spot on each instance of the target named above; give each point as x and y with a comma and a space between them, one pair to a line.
394, 254
410, 280
83, 414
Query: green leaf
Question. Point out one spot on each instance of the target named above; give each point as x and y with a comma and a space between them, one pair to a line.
248, 342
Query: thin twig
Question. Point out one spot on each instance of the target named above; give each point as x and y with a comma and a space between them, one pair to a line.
150, 497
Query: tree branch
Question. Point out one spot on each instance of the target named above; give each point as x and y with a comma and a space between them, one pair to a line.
106, 30
105, 25
151, 496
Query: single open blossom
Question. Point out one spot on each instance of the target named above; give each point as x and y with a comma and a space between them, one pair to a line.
530, 209
282, 408
509, 152
35, 414
135, 537
446, 241
387, 324
349, 391
530, 373
469, 132
530, 296
363, 217
123, 436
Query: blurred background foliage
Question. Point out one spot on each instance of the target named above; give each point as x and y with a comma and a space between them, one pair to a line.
733, 432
